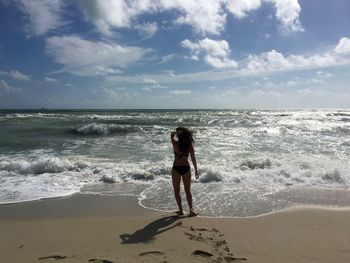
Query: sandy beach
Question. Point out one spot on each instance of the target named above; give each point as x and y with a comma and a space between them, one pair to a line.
87, 228
119, 116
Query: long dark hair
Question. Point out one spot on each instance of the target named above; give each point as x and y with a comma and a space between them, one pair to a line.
185, 137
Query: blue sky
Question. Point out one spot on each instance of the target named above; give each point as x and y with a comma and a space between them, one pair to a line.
175, 54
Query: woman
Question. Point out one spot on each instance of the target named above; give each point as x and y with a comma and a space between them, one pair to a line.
183, 146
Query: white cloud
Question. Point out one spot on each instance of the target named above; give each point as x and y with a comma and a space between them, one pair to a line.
149, 81
273, 61
169, 73
277, 97
240, 8
267, 63
180, 92
106, 70
84, 57
287, 13
167, 58
343, 46
150, 84
218, 62
19, 76
312, 93
106, 14
295, 82
317, 80
324, 75
213, 52
42, 16
49, 79
147, 30
5, 88
116, 93
320, 78
204, 16
15, 74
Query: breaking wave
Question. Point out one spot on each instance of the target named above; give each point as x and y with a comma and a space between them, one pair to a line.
255, 164
40, 166
104, 129
210, 176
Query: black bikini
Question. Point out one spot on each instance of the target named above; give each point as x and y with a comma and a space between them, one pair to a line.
181, 169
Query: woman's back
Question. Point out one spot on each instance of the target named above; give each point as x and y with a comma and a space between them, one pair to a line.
182, 146
180, 157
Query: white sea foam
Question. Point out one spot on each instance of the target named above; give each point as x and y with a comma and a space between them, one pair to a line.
38, 166
255, 164
108, 179
209, 175
245, 158
94, 128
104, 129
42, 177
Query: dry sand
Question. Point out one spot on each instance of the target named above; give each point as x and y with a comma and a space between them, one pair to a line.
85, 228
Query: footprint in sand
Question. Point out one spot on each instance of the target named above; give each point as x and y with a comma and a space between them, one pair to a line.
153, 252
57, 257
218, 247
194, 237
202, 253
231, 259
94, 260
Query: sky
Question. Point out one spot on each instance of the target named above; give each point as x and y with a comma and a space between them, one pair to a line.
225, 54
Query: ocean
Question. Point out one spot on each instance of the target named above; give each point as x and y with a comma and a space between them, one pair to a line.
251, 162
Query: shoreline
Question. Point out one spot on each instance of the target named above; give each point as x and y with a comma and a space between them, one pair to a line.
79, 197
88, 205
92, 228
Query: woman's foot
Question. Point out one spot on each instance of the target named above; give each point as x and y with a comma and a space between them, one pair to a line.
179, 213
192, 213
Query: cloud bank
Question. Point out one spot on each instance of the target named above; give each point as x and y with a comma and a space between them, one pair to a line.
204, 16
267, 63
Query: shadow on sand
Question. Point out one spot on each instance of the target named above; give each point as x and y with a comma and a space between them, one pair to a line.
149, 232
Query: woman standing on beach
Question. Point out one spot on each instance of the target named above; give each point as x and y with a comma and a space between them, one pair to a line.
182, 141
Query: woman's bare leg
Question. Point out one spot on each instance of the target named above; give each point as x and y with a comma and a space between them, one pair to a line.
186, 178
176, 185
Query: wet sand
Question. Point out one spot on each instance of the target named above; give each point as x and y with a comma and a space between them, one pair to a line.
87, 228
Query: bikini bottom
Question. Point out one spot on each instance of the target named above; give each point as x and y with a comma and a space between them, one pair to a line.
181, 169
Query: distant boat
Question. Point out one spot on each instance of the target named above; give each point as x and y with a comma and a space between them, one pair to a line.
43, 109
